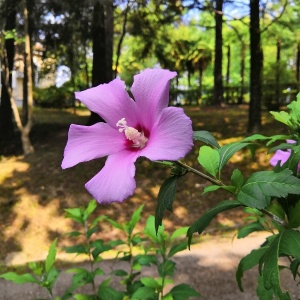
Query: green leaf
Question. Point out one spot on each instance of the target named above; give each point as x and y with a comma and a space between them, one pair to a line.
90, 208
150, 282
99, 247
255, 137
294, 267
145, 259
261, 291
20, 279
166, 268
205, 219
227, 151
269, 269
91, 231
248, 262
37, 268
277, 137
83, 297
206, 137
211, 188
144, 293
183, 292
294, 215
136, 216
165, 199
115, 224
281, 116
237, 179
105, 292
120, 273
261, 186
179, 233
252, 227
290, 243
80, 249
209, 159
177, 248
75, 214
50, 257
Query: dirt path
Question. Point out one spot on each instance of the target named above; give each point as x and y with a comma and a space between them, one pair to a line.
209, 267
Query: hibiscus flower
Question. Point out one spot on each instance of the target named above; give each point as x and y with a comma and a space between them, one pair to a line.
282, 156
145, 126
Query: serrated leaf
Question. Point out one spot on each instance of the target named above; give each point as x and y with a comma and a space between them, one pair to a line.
50, 257
248, 262
261, 186
206, 137
206, 218
252, 227
261, 291
19, 279
183, 292
165, 199
268, 265
209, 159
227, 151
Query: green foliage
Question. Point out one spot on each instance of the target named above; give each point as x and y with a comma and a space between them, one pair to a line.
54, 97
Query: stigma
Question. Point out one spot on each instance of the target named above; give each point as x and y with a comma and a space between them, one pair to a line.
137, 138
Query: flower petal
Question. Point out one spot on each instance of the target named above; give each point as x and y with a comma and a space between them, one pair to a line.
281, 156
110, 101
115, 182
171, 138
89, 142
151, 93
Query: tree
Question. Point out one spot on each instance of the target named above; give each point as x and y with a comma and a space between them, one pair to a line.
256, 69
8, 53
102, 36
218, 80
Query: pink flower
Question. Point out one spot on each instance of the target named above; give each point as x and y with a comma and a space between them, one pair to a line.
282, 156
145, 127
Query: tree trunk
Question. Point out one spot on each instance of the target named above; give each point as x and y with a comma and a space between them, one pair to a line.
27, 146
218, 83
298, 64
241, 97
102, 35
254, 122
228, 72
277, 79
6, 113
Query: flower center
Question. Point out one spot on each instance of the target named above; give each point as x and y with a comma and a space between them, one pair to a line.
137, 138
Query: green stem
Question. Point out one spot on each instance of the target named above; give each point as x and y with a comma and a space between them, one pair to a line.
90, 258
275, 218
206, 177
